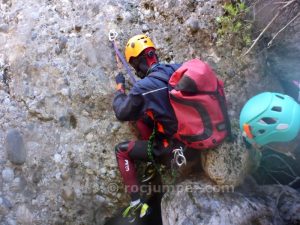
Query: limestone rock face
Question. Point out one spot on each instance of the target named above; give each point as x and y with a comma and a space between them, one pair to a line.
229, 163
201, 202
57, 127
16, 152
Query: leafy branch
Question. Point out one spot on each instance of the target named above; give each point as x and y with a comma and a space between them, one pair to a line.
287, 170
233, 23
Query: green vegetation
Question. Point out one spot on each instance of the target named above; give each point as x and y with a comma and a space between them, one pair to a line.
232, 25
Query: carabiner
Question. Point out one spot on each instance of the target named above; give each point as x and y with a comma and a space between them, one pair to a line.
112, 35
179, 157
180, 160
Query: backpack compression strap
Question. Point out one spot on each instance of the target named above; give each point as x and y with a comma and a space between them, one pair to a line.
222, 102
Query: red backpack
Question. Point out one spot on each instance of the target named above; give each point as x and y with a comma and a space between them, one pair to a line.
198, 99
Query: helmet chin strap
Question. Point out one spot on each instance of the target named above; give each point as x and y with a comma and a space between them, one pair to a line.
142, 68
140, 74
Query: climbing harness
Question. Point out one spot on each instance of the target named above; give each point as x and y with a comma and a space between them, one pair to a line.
178, 160
112, 36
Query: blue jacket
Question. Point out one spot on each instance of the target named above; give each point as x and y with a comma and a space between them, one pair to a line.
149, 94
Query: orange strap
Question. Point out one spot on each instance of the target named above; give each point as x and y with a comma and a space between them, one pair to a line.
165, 143
247, 129
150, 114
160, 127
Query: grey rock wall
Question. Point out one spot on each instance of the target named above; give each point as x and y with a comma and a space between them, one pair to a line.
58, 130
202, 202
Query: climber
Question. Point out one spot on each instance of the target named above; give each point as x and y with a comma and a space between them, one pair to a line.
186, 107
272, 120
147, 93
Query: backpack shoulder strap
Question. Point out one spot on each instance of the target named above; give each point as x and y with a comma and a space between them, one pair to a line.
160, 76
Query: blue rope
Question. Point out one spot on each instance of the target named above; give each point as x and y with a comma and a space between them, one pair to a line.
120, 56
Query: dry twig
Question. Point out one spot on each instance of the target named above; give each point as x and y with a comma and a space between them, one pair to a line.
270, 175
283, 161
292, 174
270, 42
268, 25
294, 181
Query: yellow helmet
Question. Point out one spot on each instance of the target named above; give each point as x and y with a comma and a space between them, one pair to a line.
136, 45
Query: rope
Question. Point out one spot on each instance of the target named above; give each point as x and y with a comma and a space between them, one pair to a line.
178, 159
150, 150
112, 37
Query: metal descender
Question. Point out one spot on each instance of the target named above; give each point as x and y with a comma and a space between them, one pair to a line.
179, 158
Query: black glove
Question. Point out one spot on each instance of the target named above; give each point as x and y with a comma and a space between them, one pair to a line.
120, 80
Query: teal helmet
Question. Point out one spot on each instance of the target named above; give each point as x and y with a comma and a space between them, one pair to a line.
270, 117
